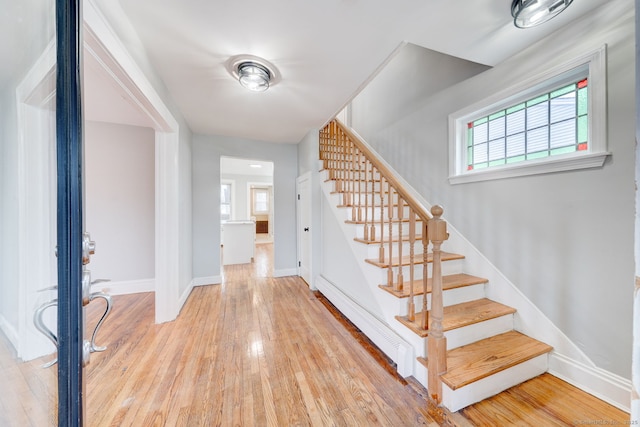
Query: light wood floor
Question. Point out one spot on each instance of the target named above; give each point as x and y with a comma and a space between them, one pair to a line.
259, 351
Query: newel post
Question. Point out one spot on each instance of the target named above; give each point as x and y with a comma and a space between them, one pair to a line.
436, 342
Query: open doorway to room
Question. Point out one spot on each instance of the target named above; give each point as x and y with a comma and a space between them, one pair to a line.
246, 210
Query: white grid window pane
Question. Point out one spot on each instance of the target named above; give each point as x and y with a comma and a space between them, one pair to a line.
480, 153
563, 107
496, 149
563, 133
496, 128
515, 122
515, 145
480, 134
537, 140
538, 115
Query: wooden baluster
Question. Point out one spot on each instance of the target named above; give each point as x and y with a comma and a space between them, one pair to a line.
347, 172
359, 181
411, 307
425, 274
352, 178
390, 281
381, 255
436, 342
340, 168
366, 200
343, 162
372, 235
400, 280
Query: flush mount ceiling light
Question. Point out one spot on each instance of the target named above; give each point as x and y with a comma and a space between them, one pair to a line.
254, 76
529, 13
253, 72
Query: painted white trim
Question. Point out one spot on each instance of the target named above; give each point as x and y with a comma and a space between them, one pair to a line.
125, 287
185, 296
110, 52
604, 385
285, 272
593, 65
391, 344
10, 332
534, 167
36, 207
207, 280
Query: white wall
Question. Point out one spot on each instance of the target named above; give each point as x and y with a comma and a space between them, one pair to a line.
565, 239
33, 38
120, 200
206, 154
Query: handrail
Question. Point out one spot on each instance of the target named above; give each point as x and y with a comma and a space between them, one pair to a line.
362, 184
389, 175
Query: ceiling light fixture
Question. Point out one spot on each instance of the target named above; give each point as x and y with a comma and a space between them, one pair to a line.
529, 13
254, 76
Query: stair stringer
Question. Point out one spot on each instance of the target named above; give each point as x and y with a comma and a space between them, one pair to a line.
567, 361
377, 322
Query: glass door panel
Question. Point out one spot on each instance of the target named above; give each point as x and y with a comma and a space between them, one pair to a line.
28, 272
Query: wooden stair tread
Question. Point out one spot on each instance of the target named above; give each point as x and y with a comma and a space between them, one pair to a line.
480, 359
451, 281
418, 259
460, 315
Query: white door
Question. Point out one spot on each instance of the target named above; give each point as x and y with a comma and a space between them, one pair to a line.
304, 227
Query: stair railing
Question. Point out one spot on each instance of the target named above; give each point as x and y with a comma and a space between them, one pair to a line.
365, 180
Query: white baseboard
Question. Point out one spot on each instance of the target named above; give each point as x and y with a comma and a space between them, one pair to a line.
394, 346
208, 280
285, 272
10, 332
185, 296
126, 287
602, 384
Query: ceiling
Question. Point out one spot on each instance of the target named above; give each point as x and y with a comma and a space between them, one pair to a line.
324, 51
236, 166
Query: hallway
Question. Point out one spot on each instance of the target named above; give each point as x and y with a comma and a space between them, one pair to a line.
252, 351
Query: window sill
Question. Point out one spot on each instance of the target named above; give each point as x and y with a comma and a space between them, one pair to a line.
584, 161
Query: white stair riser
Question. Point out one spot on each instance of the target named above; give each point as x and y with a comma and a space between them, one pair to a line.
376, 230
454, 400
478, 331
448, 267
373, 250
374, 214
449, 297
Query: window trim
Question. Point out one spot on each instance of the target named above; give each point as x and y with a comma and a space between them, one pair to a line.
231, 184
254, 191
592, 66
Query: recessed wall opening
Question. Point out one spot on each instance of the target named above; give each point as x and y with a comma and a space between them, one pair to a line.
246, 208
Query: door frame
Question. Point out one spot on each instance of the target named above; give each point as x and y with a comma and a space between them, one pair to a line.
38, 88
299, 220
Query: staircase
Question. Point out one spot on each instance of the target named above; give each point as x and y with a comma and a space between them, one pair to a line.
467, 346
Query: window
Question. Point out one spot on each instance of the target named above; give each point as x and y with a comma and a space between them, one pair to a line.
260, 200
555, 121
225, 202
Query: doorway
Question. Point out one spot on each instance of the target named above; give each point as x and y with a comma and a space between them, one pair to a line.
246, 197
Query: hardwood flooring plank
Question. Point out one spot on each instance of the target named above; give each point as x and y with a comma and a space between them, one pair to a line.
253, 351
